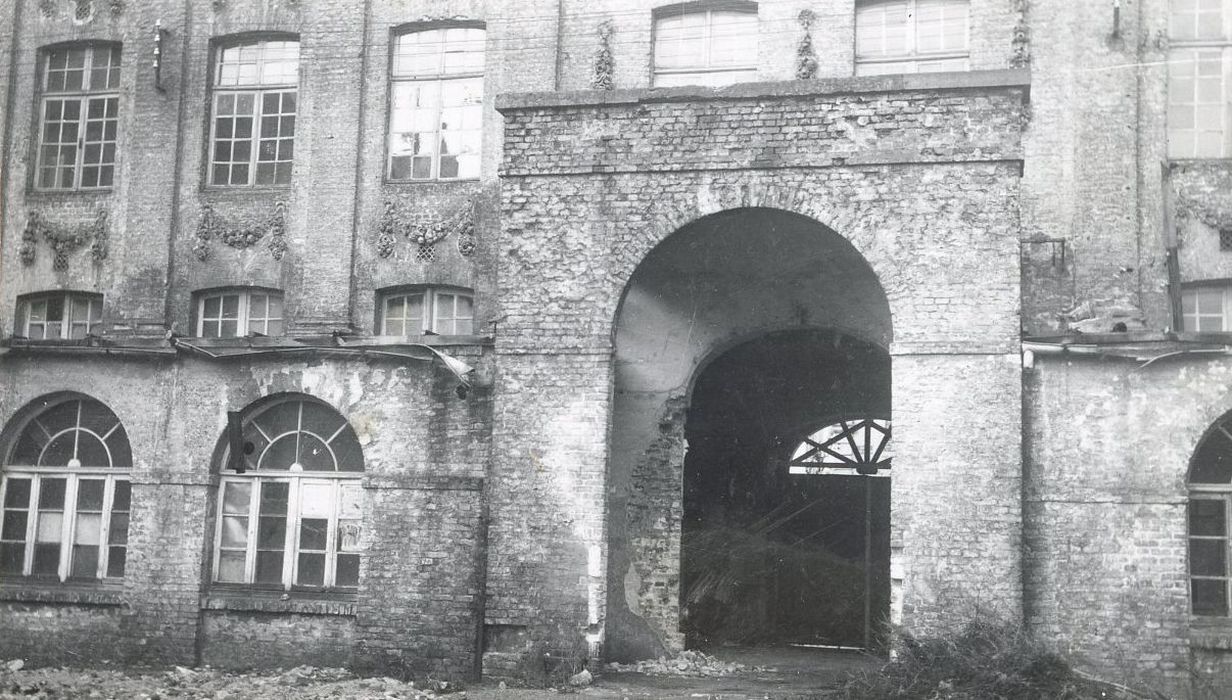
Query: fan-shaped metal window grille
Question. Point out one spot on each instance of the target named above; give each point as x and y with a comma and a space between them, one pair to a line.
65, 494
301, 436
1210, 512
293, 518
857, 445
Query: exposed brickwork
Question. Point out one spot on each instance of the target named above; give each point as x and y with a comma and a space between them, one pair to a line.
1108, 450
260, 639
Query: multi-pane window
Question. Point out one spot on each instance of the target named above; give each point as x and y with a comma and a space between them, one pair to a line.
1206, 309
78, 118
712, 47
292, 518
911, 36
65, 494
234, 313
252, 130
436, 104
1200, 79
59, 315
1210, 511
427, 311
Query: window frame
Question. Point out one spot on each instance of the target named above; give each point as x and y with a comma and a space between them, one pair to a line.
912, 57
70, 510
1222, 45
430, 319
258, 91
22, 320
708, 9
243, 318
1193, 291
83, 97
291, 521
438, 78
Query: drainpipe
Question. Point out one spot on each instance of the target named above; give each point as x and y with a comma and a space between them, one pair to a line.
560, 42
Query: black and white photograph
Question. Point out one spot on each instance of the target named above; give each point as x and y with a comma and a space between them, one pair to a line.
616, 349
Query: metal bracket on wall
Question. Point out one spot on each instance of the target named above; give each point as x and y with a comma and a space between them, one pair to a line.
1058, 249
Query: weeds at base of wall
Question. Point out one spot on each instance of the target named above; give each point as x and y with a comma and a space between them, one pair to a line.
985, 660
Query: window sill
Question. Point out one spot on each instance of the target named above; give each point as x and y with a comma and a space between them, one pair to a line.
51, 195
242, 598
31, 590
454, 181
240, 191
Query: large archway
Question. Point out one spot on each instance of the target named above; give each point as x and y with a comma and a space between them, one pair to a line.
738, 336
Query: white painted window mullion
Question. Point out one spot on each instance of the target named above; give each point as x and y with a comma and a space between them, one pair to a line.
104, 528
68, 523
291, 559
250, 552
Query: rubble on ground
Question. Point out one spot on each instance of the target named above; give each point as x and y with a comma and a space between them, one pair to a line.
307, 682
687, 663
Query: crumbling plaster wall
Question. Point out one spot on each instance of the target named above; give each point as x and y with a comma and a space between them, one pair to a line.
591, 188
1108, 445
420, 597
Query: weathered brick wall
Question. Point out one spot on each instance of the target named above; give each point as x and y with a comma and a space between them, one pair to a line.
234, 639
50, 633
422, 544
1107, 448
1096, 139
592, 187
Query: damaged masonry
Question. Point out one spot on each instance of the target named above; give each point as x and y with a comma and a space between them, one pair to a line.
428, 338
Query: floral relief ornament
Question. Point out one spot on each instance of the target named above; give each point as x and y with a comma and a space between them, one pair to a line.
243, 232
422, 231
63, 239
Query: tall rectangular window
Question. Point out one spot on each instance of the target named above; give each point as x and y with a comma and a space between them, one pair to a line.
1200, 79
252, 128
436, 104
78, 118
911, 36
711, 47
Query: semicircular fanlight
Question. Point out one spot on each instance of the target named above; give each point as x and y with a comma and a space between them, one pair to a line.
854, 445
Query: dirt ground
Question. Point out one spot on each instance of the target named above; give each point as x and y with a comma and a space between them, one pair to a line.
762, 673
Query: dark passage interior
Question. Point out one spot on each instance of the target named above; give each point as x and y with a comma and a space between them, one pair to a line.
768, 556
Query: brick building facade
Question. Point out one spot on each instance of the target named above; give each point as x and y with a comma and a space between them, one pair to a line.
396, 332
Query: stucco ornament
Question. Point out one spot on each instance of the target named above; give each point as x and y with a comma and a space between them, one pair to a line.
63, 239
806, 56
424, 231
242, 232
604, 77
1020, 47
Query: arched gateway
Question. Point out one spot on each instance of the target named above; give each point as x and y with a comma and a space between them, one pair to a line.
680, 309
739, 337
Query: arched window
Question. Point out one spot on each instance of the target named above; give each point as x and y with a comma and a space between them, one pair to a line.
65, 493
849, 446
291, 518
1210, 498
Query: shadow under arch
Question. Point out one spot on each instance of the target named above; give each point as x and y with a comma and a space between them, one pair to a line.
718, 283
